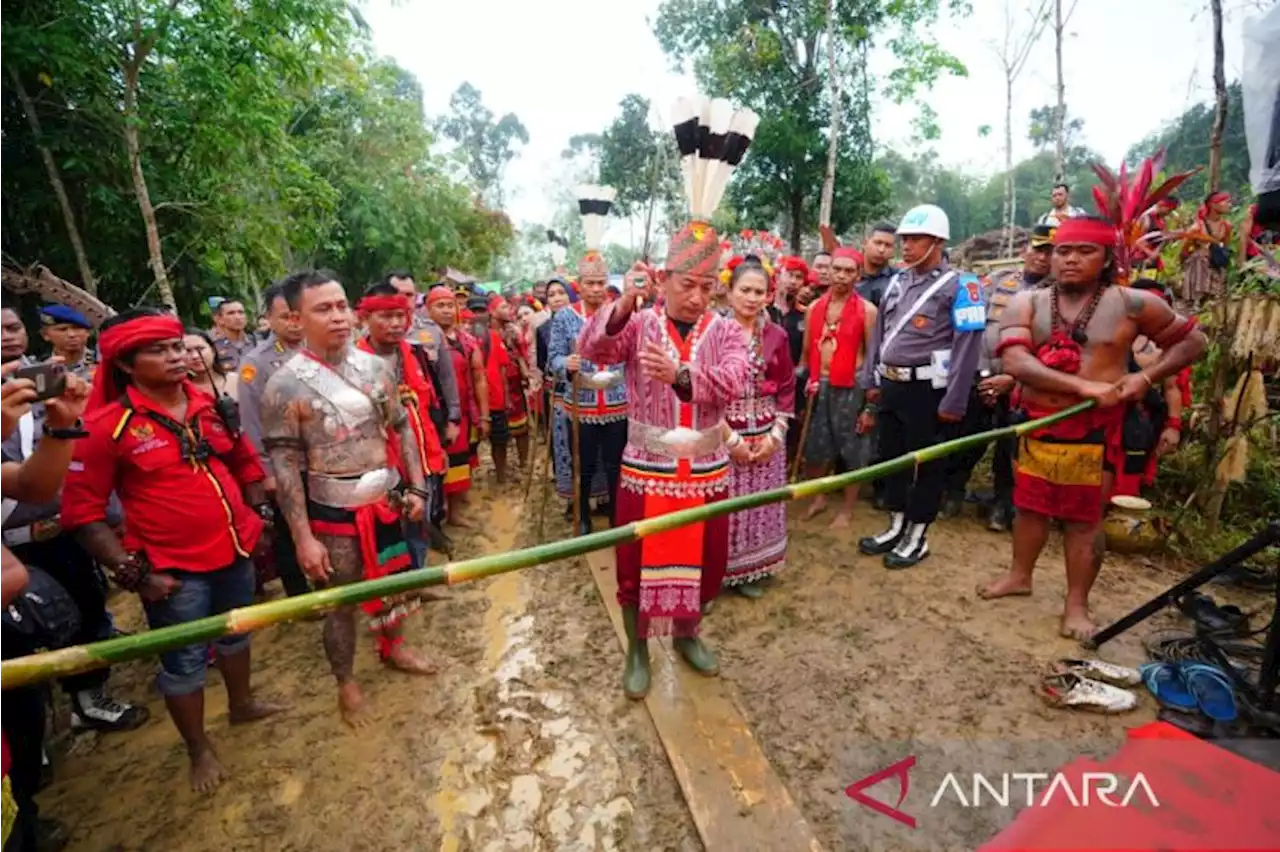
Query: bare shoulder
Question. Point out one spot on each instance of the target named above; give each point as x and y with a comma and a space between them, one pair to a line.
284, 383
1135, 301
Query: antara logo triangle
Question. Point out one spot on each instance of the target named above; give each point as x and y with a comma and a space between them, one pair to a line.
900, 770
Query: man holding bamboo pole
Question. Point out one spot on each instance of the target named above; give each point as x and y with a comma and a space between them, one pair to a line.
191, 488
1064, 343
333, 414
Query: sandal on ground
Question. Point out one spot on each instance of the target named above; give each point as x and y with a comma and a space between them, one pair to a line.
1193, 723
1111, 673
1212, 691
1073, 692
1211, 618
1164, 681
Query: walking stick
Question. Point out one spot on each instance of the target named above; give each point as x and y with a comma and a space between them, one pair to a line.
804, 435
550, 469
575, 449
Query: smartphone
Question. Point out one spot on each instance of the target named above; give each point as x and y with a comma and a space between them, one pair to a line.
49, 377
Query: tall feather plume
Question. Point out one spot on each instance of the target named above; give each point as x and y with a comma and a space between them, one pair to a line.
722, 138
685, 114
1124, 199
559, 247
594, 204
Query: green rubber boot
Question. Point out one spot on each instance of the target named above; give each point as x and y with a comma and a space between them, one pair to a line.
635, 675
696, 653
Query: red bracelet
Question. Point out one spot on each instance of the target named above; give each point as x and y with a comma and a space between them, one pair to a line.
1011, 342
1174, 423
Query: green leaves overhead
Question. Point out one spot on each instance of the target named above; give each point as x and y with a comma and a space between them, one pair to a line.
270, 138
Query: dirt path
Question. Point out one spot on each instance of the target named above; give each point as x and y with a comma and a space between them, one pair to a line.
524, 742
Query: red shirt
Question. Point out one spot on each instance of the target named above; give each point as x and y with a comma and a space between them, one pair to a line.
181, 514
496, 362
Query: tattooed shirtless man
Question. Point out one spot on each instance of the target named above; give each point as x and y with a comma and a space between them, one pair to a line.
326, 417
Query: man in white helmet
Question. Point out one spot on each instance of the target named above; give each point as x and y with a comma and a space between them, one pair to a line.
925, 350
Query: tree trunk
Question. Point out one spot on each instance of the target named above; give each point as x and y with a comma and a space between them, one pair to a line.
1008, 162
154, 252
59, 189
797, 220
1220, 98
1060, 115
833, 142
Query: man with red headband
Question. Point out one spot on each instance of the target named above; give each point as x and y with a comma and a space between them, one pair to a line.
191, 488
837, 341
601, 402
473, 399
684, 364
332, 417
387, 315
502, 314
1064, 343
496, 360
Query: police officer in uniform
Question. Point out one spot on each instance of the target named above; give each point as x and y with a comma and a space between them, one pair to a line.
989, 399
67, 331
256, 368
925, 350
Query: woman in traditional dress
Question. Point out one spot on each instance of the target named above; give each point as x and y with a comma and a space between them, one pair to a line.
1207, 250
758, 537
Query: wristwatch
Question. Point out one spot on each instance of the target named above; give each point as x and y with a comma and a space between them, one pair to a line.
684, 380
69, 433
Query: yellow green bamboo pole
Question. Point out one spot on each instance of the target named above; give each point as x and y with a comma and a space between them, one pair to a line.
38, 667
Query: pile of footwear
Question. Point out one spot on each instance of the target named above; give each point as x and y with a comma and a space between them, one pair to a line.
1093, 685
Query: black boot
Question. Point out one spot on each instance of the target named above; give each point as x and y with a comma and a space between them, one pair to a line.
439, 540
1001, 519
635, 674
584, 520
911, 549
874, 545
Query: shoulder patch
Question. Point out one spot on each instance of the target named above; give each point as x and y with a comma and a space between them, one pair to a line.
968, 311
248, 373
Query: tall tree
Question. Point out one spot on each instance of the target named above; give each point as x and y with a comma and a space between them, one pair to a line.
833, 132
769, 56
486, 143
1014, 51
1060, 129
1186, 139
1219, 98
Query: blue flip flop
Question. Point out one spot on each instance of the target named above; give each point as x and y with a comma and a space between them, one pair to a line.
1212, 690
1165, 682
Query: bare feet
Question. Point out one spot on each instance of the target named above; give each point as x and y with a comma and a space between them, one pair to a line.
816, 508
405, 659
254, 710
841, 521
206, 771
1077, 624
351, 705
1008, 585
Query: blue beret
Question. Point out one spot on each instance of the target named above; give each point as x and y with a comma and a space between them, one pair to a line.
59, 314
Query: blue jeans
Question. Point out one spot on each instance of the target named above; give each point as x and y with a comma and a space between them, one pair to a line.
202, 594
415, 535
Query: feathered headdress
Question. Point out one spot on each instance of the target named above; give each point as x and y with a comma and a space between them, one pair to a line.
712, 138
559, 248
1125, 199
594, 204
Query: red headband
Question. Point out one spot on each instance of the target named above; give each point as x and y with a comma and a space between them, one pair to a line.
372, 304
1083, 230
124, 338
795, 264
439, 294
847, 253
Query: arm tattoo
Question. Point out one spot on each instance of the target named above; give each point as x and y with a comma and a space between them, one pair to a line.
282, 434
409, 450
1133, 302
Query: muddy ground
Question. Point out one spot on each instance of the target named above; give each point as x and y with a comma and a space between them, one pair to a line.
523, 741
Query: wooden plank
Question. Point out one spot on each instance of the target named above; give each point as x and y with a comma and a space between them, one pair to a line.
737, 801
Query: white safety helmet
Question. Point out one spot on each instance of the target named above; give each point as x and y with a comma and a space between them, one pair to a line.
927, 219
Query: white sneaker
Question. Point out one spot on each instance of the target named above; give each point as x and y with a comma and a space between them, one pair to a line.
1099, 670
1081, 693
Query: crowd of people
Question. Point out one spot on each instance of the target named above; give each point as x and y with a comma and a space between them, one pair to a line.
340, 442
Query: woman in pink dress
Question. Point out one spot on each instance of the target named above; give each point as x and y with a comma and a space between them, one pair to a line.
758, 537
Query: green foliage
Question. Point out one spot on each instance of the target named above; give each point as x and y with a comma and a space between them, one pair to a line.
1186, 144
773, 58
1042, 126
270, 138
485, 144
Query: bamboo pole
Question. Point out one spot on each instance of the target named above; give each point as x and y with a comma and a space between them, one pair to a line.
68, 661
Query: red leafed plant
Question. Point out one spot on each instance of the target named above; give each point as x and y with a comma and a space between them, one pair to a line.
1124, 199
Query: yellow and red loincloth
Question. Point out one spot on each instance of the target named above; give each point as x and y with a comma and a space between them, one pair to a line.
383, 551
1061, 469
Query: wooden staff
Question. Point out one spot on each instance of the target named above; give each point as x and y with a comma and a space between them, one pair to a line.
575, 446
549, 471
804, 433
